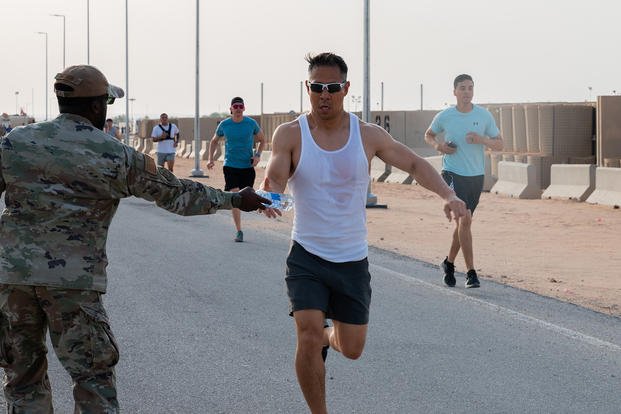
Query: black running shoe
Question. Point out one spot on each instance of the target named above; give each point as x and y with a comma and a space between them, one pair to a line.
472, 281
324, 350
449, 272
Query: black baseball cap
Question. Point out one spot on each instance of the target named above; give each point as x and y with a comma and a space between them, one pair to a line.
237, 99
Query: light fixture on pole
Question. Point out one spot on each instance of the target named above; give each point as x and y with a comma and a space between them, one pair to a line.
45, 100
16, 103
64, 34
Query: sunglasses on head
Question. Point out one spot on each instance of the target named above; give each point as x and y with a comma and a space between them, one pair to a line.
319, 87
237, 106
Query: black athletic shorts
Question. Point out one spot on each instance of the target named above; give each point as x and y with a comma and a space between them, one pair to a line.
341, 290
238, 177
467, 188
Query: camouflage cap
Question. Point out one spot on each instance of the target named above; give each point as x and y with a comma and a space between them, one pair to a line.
84, 81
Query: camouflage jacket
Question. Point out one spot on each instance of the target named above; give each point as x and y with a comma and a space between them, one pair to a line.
63, 181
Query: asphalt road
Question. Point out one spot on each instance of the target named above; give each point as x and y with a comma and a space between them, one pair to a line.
203, 327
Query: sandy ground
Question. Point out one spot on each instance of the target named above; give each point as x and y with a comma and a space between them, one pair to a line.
562, 249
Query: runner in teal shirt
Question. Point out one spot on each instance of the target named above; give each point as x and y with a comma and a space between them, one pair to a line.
467, 129
240, 133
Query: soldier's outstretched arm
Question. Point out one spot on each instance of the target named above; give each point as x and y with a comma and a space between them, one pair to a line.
181, 196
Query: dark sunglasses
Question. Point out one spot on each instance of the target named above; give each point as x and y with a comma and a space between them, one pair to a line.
319, 87
237, 106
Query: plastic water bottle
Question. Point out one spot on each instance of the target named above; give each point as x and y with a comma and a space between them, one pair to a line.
283, 202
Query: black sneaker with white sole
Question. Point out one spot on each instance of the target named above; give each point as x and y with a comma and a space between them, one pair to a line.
449, 272
472, 281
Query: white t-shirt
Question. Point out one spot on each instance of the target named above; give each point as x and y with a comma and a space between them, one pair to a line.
167, 146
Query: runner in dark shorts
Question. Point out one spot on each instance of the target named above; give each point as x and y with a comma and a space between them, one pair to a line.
468, 189
341, 290
468, 131
238, 177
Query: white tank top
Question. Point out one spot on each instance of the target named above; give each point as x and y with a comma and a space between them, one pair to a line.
330, 192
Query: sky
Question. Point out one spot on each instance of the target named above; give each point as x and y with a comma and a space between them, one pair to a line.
516, 51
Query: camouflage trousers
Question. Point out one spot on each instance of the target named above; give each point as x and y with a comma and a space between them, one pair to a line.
81, 336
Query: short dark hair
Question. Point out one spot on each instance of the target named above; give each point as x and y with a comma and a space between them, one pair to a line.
109, 120
461, 78
327, 59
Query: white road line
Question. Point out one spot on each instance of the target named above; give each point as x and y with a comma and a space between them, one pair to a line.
517, 315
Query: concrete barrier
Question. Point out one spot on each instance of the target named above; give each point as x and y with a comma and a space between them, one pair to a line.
265, 157
152, 147
488, 180
180, 148
436, 161
188, 150
148, 145
379, 170
190, 154
607, 187
203, 153
141, 144
517, 180
570, 182
399, 177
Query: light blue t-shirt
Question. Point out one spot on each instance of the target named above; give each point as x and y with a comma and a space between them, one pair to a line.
239, 141
469, 159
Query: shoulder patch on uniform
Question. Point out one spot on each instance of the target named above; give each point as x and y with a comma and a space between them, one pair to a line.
149, 165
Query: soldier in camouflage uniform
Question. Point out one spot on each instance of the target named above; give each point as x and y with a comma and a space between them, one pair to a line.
63, 180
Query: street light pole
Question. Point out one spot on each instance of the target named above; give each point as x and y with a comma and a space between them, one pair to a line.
88, 32
197, 172
64, 33
126, 74
261, 125
131, 111
366, 94
421, 96
45, 100
366, 88
16, 103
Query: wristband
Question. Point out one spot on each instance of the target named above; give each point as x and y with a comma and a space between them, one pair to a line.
257, 154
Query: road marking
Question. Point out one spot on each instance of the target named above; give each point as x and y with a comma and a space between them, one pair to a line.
570, 333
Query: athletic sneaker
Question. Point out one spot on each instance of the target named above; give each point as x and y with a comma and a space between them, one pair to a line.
239, 237
449, 272
324, 350
472, 281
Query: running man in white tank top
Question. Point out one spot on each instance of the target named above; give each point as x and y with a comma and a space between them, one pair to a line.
324, 156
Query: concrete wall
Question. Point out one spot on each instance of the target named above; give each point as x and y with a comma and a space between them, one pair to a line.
608, 129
